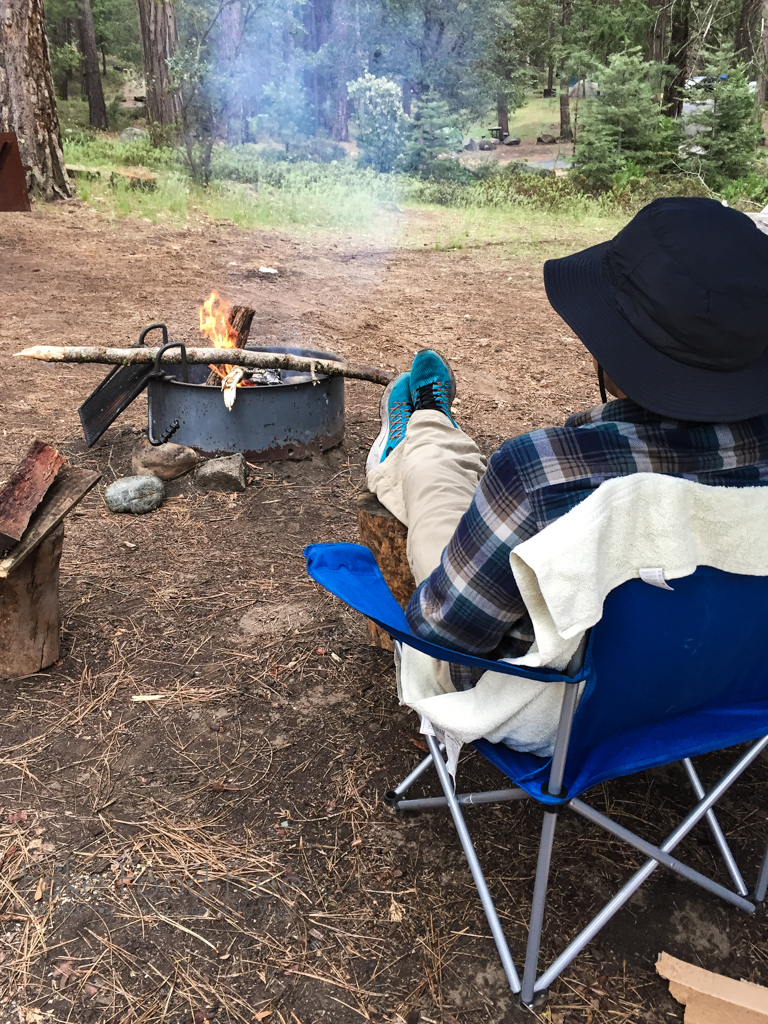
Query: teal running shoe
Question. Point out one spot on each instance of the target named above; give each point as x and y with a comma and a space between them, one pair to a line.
433, 385
395, 411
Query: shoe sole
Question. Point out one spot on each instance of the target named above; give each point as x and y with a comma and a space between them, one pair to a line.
451, 375
377, 448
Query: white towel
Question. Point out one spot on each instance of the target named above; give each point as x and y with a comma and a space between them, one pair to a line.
646, 526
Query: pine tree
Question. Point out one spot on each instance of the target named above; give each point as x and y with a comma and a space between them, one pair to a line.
624, 123
433, 131
726, 144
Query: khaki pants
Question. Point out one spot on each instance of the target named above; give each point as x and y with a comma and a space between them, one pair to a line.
428, 482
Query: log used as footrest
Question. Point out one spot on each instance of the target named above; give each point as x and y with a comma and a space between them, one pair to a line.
386, 537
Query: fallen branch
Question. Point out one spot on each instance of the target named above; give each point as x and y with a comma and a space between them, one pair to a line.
204, 356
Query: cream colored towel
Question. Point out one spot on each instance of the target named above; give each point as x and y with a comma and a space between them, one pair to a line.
647, 526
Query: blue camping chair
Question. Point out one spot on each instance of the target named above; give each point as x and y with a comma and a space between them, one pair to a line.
668, 675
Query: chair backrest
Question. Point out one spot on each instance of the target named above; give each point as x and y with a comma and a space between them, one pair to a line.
671, 674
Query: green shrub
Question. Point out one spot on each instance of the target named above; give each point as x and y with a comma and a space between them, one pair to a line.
380, 119
726, 148
624, 123
433, 132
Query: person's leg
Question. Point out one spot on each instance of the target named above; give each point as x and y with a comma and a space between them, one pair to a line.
428, 477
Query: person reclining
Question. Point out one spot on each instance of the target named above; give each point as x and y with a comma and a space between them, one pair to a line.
674, 311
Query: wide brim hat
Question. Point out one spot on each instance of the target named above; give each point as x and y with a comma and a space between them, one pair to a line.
675, 309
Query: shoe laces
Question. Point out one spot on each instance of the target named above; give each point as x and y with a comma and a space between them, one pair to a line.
436, 395
399, 414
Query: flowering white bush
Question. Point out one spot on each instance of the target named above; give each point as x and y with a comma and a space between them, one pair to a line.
381, 121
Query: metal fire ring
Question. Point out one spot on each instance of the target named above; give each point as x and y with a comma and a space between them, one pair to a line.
295, 419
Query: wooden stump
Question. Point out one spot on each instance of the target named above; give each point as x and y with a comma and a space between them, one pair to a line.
30, 621
136, 177
386, 537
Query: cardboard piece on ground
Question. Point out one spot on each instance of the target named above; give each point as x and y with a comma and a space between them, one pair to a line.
14, 197
711, 998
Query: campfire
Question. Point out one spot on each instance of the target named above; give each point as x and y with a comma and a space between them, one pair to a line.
227, 326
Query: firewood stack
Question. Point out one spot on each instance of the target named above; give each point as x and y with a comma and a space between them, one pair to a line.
33, 504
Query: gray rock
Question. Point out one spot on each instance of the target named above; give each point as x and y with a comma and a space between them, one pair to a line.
165, 461
224, 474
136, 494
470, 146
512, 140
546, 139
487, 144
132, 134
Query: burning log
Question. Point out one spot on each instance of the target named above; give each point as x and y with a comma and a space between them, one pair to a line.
234, 356
386, 537
239, 320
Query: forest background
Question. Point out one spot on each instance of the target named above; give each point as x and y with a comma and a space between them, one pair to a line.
274, 111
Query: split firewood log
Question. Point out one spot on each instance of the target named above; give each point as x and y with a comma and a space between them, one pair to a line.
386, 537
26, 488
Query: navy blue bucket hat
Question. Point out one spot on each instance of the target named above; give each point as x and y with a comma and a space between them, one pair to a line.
675, 309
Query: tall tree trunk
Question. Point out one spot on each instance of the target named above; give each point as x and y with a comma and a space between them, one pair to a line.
761, 96
232, 26
550, 77
407, 96
748, 30
159, 38
657, 33
678, 58
97, 108
566, 132
340, 132
502, 113
27, 97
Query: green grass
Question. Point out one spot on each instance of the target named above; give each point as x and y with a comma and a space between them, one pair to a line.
536, 234
526, 214
537, 116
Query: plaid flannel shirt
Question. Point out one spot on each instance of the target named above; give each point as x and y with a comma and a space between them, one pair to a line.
471, 602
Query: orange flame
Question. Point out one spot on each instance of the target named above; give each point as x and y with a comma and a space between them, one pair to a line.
215, 325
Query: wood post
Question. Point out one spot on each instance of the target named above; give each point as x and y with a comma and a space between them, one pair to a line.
386, 537
30, 620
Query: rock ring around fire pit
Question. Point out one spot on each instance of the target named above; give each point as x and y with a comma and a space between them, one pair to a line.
294, 419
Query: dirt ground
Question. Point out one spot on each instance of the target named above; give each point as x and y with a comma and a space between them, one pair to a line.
223, 853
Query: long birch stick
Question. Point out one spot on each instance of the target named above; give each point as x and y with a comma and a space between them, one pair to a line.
231, 356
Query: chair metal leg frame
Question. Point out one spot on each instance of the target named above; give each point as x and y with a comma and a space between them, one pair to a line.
495, 796
562, 739
630, 887
714, 825
762, 879
474, 867
659, 855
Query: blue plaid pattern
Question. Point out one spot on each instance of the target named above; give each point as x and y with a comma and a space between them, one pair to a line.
471, 602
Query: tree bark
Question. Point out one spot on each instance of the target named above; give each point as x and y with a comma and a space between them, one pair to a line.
678, 58
748, 30
566, 132
30, 621
761, 95
657, 33
28, 485
502, 113
27, 96
387, 538
97, 108
159, 39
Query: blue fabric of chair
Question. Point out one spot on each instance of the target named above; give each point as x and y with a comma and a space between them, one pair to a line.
668, 674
